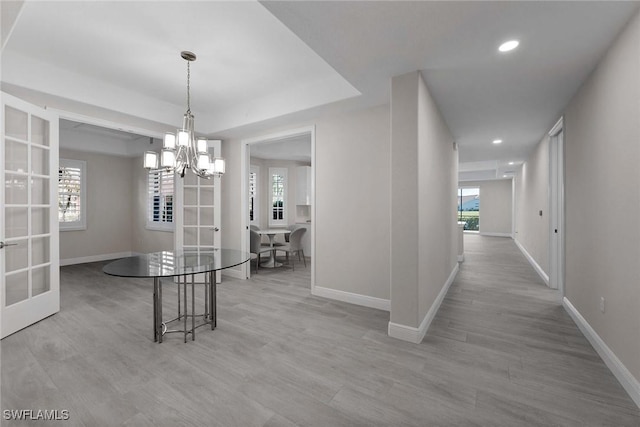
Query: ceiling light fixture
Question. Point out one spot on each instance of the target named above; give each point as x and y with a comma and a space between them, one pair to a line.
183, 150
508, 46
511, 163
497, 141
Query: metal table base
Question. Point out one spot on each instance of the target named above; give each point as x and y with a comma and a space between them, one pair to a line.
209, 316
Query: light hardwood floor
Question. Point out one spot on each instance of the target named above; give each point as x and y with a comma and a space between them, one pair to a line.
500, 352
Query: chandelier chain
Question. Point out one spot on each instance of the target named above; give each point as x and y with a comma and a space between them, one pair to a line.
188, 87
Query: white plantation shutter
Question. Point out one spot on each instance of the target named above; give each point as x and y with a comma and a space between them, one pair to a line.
71, 194
160, 200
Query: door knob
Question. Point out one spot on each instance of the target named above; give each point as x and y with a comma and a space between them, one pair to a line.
3, 244
215, 229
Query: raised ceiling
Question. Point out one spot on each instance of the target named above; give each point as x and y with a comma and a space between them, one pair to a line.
261, 64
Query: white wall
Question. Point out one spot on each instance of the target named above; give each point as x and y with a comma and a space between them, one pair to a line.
352, 201
532, 196
109, 194
496, 207
423, 203
602, 158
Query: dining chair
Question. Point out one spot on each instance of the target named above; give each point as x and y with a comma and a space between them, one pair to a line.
294, 247
256, 248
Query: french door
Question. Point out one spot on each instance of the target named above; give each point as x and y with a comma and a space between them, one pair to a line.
29, 255
197, 214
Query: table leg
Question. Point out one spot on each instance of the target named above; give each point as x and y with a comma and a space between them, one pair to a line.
193, 308
184, 286
159, 311
179, 308
155, 309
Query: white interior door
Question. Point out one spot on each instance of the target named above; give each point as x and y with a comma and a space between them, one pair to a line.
198, 210
29, 258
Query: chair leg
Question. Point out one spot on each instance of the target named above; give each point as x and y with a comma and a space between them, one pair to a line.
293, 263
303, 258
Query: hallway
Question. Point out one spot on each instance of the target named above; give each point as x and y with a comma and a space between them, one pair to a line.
501, 329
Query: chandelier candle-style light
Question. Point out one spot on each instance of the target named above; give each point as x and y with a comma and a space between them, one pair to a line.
182, 150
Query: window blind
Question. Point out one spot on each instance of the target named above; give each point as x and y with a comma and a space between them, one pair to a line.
71, 194
160, 196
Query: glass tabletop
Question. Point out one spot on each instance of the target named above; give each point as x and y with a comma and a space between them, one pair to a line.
176, 263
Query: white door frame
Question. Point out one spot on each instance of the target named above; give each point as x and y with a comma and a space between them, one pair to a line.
244, 190
556, 207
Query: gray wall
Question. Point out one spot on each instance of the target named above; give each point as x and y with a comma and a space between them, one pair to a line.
116, 209
352, 200
532, 196
423, 201
496, 207
109, 194
602, 154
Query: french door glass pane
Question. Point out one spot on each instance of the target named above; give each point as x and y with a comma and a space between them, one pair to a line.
17, 257
39, 131
40, 282
40, 191
39, 161
17, 288
40, 250
190, 196
15, 187
190, 236
15, 156
206, 196
16, 123
15, 222
206, 236
39, 221
191, 216
206, 216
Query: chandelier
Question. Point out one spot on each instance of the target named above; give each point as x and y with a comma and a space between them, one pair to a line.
183, 150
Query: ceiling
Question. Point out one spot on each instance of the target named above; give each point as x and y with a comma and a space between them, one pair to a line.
266, 64
296, 148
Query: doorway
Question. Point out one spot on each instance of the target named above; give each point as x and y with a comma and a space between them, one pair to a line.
274, 194
556, 207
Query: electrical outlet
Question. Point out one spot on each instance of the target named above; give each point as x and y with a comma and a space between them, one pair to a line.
602, 304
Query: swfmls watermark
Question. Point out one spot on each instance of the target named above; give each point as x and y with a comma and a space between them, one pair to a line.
35, 414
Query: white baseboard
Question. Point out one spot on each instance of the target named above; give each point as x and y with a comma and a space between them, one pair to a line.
461, 258
626, 378
533, 262
415, 335
364, 300
94, 258
492, 234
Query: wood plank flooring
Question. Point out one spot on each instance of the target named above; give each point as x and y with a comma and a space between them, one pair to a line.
500, 352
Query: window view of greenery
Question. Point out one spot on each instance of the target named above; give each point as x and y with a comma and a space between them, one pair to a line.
469, 208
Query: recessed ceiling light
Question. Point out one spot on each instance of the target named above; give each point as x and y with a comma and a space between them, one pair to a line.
497, 141
508, 46
511, 163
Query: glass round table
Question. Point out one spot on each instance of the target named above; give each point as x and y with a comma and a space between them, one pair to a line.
206, 263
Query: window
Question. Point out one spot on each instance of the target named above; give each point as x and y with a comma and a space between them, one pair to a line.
469, 208
72, 206
160, 200
254, 203
278, 196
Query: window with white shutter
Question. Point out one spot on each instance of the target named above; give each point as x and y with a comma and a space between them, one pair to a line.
160, 200
254, 204
72, 206
278, 196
